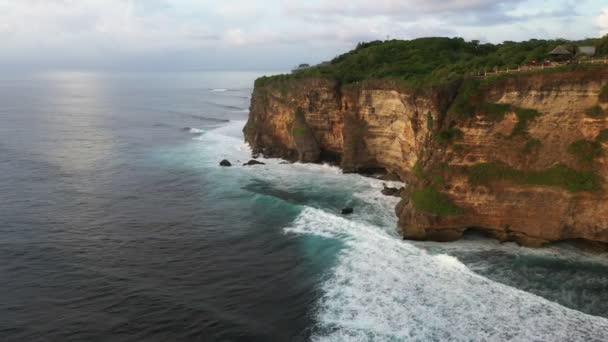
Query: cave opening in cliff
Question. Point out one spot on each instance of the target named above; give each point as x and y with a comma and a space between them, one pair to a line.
479, 233
331, 157
373, 171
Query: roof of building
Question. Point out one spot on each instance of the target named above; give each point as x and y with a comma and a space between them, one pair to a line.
561, 50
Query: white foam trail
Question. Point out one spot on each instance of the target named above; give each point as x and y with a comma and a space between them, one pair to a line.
196, 131
219, 90
383, 289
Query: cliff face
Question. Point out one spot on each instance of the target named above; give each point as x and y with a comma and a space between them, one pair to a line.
522, 159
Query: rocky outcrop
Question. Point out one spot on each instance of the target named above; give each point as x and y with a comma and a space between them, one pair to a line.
520, 158
253, 162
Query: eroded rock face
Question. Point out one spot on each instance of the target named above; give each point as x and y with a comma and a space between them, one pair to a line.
509, 171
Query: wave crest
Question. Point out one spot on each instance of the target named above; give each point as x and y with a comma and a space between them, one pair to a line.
384, 289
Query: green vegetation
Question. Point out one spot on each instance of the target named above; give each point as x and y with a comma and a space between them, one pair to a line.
432, 61
585, 150
495, 111
447, 136
299, 127
298, 131
603, 136
524, 116
432, 201
531, 146
557, 176
432, 175
469, 96
470, 101
595, 111
604, 94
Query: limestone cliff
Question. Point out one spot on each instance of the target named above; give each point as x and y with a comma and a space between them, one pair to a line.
521, 158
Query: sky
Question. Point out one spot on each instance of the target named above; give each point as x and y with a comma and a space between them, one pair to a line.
176, 35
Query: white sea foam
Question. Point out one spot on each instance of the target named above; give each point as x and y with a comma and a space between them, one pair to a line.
196, 130
219, 90
383, 289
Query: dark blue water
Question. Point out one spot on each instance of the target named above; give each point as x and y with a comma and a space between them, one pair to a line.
117, 224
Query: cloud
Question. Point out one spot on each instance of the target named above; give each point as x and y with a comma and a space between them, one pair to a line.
132, 25
401, 9
100, 31
602, 21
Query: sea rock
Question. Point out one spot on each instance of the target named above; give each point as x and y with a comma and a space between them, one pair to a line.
394, 192
348, 211
253, 162
225, 163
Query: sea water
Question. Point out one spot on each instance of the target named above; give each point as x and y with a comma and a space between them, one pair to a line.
118, 224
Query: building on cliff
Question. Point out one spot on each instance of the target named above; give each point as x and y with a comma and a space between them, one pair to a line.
565, 52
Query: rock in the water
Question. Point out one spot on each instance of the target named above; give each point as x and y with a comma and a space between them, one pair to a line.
253, 162
225, 163
347, 211
388, 191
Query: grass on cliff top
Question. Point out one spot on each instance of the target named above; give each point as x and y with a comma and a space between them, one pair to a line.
557, 176
432, 61
431, 201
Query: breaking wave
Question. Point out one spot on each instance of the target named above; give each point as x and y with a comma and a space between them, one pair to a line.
193, 130
383, 289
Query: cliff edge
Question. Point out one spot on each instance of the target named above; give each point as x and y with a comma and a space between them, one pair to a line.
521, 158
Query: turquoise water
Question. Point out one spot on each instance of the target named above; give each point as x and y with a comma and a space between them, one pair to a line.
118, 224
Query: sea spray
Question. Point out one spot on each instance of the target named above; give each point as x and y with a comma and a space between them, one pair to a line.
384, 289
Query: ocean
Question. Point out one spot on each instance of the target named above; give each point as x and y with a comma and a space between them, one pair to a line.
118, 224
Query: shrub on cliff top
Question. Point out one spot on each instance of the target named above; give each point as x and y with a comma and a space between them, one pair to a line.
431, 61
585, 150
432, 201
557, 176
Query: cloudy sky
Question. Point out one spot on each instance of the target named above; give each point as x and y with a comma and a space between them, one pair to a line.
262, 34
